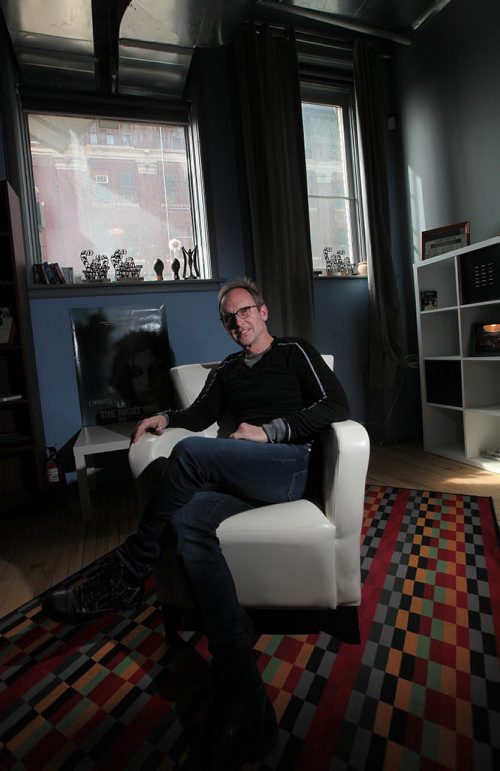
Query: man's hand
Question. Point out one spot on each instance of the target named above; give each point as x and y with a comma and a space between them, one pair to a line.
250, 432
155, 425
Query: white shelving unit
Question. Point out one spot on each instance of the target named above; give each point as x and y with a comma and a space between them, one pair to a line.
460, 389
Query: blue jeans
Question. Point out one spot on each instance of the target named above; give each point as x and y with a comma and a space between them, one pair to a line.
205, 482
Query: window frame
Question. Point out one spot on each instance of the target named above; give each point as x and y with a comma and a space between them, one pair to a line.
181, 117
342, 95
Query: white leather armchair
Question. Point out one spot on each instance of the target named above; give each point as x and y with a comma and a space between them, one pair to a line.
296, 565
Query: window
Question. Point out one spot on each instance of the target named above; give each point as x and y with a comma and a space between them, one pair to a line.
332, 174
102, 188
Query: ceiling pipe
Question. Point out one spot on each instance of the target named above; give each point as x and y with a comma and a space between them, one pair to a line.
429, 13
337, 21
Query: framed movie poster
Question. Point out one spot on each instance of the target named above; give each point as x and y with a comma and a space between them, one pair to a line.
441, 240
123, 360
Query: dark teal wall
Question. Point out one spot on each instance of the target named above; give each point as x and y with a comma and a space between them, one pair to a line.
450, 118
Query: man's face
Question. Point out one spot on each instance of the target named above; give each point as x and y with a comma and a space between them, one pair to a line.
246, 332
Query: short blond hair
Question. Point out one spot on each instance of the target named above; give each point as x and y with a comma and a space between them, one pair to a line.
241, 283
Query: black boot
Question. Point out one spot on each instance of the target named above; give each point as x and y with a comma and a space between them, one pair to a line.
241, 728
111, 588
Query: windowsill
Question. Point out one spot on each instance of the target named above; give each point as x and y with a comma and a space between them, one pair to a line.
337, 278
89, 288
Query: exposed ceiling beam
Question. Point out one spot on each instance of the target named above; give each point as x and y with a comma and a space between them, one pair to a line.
106, 20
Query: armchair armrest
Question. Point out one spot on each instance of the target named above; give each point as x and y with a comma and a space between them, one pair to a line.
148, 456
152, 447
346, 452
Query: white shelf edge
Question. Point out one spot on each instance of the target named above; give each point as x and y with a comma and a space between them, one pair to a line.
490, 409
456, 452
482, 304
443, 406
446, 309
449, 357
481, 358
463, 250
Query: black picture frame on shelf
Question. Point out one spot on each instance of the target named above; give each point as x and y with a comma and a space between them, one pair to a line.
486, 339
445, 239
428, 300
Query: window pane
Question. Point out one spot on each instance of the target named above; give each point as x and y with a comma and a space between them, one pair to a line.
332, 209
106, 185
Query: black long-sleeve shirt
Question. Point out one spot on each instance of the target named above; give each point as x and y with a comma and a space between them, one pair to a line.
291, 382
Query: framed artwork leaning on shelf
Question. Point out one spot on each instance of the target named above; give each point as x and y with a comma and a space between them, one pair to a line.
446, 239
486, 339
428, 300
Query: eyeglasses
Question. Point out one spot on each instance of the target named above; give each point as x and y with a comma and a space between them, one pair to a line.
229, 319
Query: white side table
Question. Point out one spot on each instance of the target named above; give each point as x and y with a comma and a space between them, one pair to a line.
91, 441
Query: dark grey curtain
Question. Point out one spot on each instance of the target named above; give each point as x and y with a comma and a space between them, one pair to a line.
268, 91
386, 330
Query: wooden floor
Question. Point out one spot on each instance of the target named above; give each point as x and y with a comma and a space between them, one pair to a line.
37, 551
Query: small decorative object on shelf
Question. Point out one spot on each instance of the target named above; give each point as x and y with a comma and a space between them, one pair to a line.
491, 454
158, 267
337, 264
97, 268
428, 300
362, 268
190, 263
125, 269
446, 239
486, 339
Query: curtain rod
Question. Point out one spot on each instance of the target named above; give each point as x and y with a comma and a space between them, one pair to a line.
336, 21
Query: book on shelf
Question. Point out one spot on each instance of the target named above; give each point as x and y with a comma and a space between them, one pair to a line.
39, 276
7, 326
68, 274
48, 273
58, 273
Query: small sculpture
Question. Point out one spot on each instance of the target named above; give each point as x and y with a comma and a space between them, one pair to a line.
97, 268
176, 266
158, 267
125, 269
338, 263
190, 263
175, 245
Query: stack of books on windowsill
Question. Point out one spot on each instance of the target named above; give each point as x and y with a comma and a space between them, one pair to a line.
51, 273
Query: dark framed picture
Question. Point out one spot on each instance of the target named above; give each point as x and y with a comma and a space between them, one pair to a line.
428, 300
486, 339
446, 239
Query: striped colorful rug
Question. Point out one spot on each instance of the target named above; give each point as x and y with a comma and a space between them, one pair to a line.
422, 691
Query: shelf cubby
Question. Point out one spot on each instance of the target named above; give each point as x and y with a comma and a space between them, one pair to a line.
443, 383
460, 386
439, 333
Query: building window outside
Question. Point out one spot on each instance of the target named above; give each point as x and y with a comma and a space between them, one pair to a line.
332, 175
132, 193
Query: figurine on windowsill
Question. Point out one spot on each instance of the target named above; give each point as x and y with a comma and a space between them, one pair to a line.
190, 263
176, 266
175, 245
97, 268
158, 267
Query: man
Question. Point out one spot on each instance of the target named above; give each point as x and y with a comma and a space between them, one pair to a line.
280, 394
